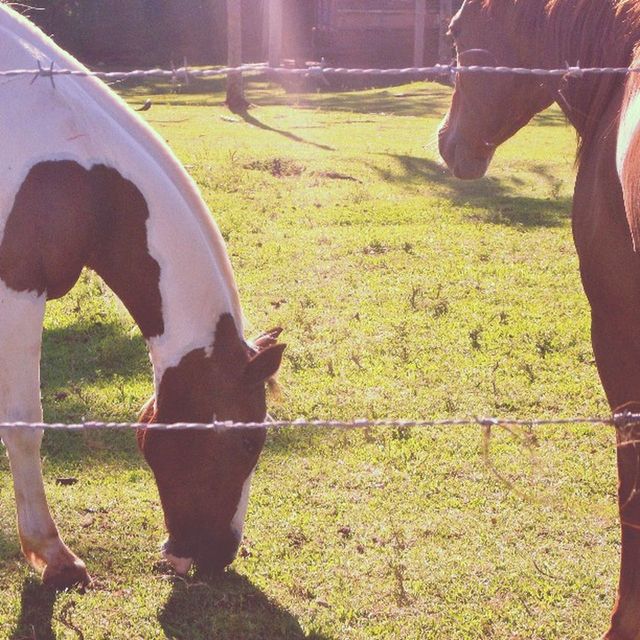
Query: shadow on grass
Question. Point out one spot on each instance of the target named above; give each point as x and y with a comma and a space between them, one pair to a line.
227, 608
551, 118
10, 553
87, 351
75, 357
495, 196
36, 612
422, 100
249, 119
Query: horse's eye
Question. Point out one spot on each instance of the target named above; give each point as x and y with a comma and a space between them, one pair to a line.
454, 30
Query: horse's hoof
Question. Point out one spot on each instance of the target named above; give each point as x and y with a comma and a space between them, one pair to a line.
66, 576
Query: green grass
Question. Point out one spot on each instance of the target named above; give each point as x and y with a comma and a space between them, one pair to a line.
404, 293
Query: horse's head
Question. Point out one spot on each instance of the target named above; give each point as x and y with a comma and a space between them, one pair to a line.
203, 477
487, 108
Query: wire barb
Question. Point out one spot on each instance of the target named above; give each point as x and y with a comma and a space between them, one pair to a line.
574, 71
45, 73
626, 419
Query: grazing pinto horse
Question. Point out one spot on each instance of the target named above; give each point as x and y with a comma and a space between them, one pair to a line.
85, 182
605, 110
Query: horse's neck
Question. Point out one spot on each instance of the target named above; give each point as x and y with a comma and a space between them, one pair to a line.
196, 287
598, 34
161, 253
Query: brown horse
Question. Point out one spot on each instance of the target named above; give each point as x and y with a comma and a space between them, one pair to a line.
605, 110
86, 182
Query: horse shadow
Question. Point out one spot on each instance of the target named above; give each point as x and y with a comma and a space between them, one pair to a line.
499, 197
228, 607
90, 351
73, 358
36, 612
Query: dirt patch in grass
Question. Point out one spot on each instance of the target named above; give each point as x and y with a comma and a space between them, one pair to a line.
285, 168
277, 167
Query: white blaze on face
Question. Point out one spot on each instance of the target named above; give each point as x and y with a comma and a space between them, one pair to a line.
627, 130
237, 523
181, 565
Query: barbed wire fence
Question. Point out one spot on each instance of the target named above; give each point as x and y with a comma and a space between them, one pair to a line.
436, 71
626, 423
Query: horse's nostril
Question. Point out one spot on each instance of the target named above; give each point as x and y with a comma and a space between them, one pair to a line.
212, 565
214, 557
209, 568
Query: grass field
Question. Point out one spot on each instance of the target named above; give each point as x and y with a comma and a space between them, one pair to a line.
404, 294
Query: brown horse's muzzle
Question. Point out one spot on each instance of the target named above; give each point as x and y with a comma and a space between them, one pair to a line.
466, 161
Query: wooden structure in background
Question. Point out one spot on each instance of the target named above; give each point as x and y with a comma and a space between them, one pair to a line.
381, 33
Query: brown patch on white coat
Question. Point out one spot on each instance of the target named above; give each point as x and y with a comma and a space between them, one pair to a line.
63, 218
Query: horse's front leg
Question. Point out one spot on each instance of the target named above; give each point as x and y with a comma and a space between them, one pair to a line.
41, 543
617, 348
20, 342
610, 270
625, 620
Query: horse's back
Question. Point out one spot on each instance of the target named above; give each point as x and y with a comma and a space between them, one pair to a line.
80, 120
70, 118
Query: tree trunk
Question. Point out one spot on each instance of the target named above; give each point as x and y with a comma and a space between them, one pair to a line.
275, 17
445, 48
420, 22
236, 101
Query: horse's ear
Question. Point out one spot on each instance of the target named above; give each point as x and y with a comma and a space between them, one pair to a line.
148, 411
147, 415
265, 365
267, 339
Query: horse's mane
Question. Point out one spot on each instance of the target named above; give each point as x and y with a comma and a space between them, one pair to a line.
587, 33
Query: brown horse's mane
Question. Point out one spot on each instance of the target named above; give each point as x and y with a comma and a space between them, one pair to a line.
588, 33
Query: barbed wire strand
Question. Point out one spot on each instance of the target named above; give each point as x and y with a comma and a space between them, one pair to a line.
442, 70
622, 421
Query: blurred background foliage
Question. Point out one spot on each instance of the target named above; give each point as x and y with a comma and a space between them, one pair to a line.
145, 32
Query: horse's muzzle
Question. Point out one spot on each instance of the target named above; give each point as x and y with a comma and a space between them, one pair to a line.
210, 554
466, 161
